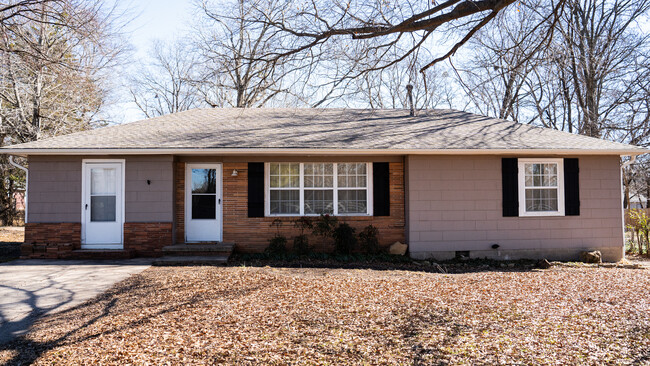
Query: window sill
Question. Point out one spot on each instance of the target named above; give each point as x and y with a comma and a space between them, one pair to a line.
339, 215
541, 214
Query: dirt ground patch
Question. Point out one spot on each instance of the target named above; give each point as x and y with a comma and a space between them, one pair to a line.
14, 234
264, 315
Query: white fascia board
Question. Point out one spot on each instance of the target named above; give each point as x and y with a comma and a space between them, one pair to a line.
315, 152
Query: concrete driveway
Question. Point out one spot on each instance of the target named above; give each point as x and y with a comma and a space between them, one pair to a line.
35, 287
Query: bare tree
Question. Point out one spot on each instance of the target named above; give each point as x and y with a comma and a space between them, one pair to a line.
396, 30
231, 39
55, 62
167, 84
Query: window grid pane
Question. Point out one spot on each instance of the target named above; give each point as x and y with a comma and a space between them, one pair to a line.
316, 185
284, 175
541, 187
319, 202
352, 201
351, 175
319, 175
285, 201
540, 200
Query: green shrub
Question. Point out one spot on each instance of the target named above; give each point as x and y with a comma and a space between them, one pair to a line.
325, 225
301, 242
369, 240
301, 245
344, 239
277, 245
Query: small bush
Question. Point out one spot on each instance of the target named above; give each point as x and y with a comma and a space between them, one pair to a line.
301, 245
325, 225
344, 239
369, 240
277, 245
301, 242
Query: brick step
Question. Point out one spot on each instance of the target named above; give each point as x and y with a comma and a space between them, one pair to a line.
215, 260
201, 250
100, 254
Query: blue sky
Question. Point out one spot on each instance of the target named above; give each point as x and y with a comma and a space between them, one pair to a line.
152, 19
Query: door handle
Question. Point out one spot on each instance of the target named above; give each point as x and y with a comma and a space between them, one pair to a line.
219, 200
86, 206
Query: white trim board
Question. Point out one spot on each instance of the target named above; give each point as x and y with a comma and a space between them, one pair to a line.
318, 152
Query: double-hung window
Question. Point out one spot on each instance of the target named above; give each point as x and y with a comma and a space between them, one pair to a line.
318, 188
541, 187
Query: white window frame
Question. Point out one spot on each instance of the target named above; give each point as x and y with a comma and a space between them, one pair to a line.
522, 187
301, 188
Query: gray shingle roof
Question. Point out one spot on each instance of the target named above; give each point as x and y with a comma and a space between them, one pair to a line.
347, 129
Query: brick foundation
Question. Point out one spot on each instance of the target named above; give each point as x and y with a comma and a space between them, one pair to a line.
147, 239
59, 240
252, 234
51, 240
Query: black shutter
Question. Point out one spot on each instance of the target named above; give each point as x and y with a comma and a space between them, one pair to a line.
509, 176
380, 189
571, 187
255, 189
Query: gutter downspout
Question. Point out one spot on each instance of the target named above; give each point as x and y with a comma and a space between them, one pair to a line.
629, 162
623, 166
12, 162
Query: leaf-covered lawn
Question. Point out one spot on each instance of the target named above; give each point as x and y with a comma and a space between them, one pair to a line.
244, 315
12, 234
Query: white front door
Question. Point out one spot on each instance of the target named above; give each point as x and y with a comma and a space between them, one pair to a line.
203, 202
102, 205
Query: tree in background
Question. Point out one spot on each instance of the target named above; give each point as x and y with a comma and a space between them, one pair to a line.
55, 62
167, 84
231, 38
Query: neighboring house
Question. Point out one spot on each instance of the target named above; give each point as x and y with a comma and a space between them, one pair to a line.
445, 182
19, 199
638, 201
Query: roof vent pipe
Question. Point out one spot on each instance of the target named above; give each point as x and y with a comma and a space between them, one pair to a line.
409, 95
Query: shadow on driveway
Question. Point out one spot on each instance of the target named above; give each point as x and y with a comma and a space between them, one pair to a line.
32, 288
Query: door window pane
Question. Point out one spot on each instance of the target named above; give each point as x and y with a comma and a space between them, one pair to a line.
204, 206
102, 208
204, 180
102, 181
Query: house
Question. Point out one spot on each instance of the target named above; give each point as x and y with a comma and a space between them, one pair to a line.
446, 182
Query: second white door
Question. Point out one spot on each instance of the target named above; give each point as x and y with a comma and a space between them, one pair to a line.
203, 202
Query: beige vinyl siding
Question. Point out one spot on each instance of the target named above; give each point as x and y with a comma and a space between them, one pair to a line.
455, 204
55, 188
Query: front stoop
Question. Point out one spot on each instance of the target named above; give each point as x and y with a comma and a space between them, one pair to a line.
100, 254
209, 254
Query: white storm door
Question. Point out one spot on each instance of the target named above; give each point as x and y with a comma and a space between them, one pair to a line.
103, 203
203, 202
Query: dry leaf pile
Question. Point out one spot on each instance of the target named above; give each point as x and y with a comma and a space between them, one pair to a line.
239, 315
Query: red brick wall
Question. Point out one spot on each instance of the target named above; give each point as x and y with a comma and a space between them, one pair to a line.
252, 234
58, 240
147, 238
51, 240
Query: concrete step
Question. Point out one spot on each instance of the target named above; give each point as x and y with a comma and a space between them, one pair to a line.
191, 260
100, 254
202, 249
